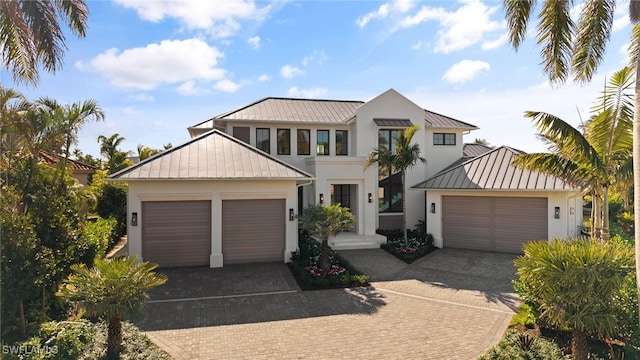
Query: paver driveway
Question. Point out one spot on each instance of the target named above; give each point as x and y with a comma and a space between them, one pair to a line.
451, 304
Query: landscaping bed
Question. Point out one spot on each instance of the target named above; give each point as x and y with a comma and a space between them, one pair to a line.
420, 243
305, 267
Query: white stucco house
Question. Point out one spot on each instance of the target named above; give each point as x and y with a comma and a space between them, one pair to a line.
231, 193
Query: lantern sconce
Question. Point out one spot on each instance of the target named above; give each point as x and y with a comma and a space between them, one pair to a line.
134, 219
556, 212
433, 208
321, 198
370, 198
291, 214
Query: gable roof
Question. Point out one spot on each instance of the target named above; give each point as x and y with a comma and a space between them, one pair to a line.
311, 111
472, 150
76, 166
212, 156
493, 171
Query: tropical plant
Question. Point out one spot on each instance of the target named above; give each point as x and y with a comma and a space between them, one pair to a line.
112, 289
398, 160
326, 221
574, 285
576, 49
31, 35
145, 152
596, 159
109, 148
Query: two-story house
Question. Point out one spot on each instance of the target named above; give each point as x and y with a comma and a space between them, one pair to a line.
231, 193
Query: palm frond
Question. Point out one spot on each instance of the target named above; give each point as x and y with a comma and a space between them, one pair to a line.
552, 164
592, 34
634, 44
76, 13
517, 15
555, 32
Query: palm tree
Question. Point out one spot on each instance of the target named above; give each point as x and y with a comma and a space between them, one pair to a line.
574, 284
145, 152
594, 160
31, 35
398, 160
323, 222
116, 159
111, 289
577, 48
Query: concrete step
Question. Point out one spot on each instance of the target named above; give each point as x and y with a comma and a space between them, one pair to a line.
349, 241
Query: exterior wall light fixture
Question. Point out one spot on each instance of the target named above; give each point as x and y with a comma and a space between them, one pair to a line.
370, 198
134, 219
556, 212
321, 198
291, 215
433, 208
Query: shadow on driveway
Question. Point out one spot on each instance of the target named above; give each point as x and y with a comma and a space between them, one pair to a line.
242, 294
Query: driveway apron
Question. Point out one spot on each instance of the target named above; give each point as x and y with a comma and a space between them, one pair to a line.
451, 304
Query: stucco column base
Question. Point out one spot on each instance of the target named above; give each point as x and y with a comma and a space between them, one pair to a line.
215, 260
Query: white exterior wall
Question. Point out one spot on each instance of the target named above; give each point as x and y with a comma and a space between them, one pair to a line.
441, 156
566, 226
216, 191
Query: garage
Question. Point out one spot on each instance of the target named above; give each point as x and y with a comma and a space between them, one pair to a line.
253, 230
493, 223
176, 233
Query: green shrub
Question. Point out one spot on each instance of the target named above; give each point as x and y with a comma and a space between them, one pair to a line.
101, 235
524, 317
516, 346
305, 267
112, 202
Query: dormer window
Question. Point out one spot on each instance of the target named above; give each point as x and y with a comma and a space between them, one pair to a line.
444, 139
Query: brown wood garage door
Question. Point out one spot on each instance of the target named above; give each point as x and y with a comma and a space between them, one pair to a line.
493, 223
253, 230
176, 233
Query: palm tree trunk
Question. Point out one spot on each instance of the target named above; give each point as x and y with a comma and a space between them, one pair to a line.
404, 212
23, 322
579, 347
636, 177
597, 216
605, 213
325, 262
114, 338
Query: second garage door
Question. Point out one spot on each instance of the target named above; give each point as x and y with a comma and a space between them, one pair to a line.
493, 223
253, 230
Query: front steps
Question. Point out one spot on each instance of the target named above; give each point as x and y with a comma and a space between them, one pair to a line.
351, 241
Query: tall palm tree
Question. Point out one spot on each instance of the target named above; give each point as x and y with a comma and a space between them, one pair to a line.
398, 160
69, 119
596, 159
111, 289
145, 152
109, 148
574, 284
31, 36
576, 49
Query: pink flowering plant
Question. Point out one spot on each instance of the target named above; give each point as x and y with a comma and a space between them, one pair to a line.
419, 244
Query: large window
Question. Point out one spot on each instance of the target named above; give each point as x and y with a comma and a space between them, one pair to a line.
389, 181
444, 139
341, 142
263, 139
284, 142
304, 146
323, 142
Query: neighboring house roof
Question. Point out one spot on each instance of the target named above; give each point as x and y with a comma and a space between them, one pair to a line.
473, 150
493, 171
212, 156
76, 166
441, 121
312, 111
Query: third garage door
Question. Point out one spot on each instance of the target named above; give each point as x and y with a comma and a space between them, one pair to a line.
253, 230
493, 223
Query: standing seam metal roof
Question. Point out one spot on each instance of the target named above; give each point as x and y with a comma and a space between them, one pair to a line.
212, 156
493, 171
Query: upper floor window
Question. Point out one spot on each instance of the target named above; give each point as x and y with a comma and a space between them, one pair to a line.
263, 139
323, 142
444, 139
241, 133
284, 142
387, 138
304, 146
341, 142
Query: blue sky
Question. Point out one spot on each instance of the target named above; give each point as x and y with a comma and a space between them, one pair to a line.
157, 67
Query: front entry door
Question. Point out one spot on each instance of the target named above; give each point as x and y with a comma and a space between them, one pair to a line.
341, 194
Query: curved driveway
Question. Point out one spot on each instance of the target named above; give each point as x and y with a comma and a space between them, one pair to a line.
451, 304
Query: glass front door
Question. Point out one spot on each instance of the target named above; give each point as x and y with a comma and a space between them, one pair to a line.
341, 194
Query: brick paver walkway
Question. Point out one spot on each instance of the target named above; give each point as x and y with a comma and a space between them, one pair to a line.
448, 305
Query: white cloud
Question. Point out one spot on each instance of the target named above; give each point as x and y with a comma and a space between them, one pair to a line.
264, 77
142, 97
620, 23
227, 86
465, 70
254, 42
169, 62
493, 44
466, 26
289, 71
307, 93
317, 56
190, 88
130, 110
385, 10
219, 18
418, 46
